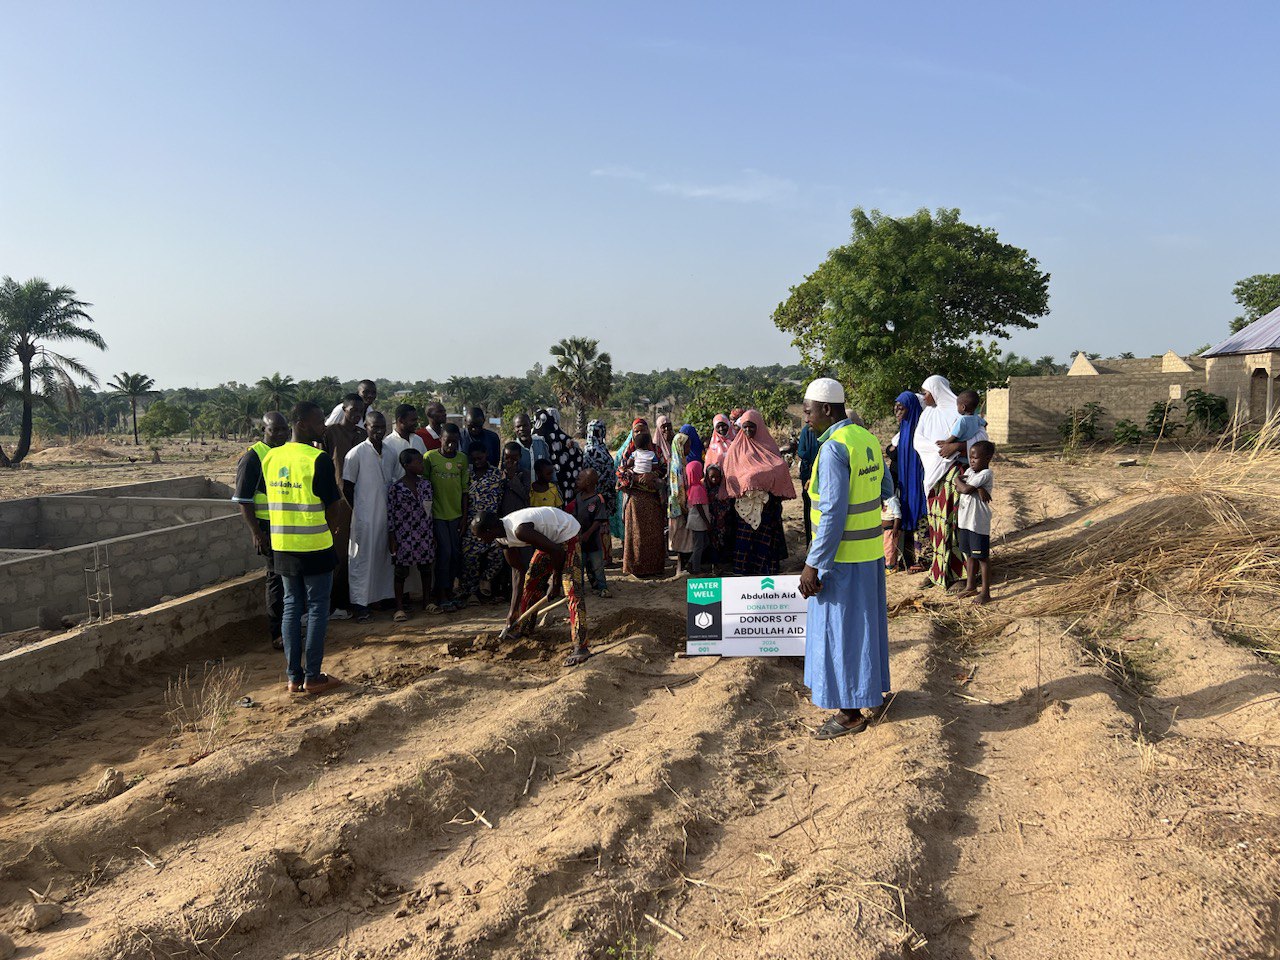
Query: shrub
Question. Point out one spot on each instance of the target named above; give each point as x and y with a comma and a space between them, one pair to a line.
1160, 418
1127, 432
1206, 411
1081, 426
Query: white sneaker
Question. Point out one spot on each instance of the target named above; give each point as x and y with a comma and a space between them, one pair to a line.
340, 615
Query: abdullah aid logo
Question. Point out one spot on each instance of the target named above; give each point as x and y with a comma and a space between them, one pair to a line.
766, 583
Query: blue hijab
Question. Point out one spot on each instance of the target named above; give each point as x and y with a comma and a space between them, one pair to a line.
695, 442
915, 504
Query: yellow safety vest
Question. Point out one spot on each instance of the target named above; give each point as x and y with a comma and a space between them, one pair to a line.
296, 513
260, 496
862, 540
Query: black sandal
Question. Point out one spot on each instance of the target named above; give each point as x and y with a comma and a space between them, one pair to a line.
579, 656
834, 728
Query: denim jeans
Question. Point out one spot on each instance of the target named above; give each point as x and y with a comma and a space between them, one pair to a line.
593, 560
312, 595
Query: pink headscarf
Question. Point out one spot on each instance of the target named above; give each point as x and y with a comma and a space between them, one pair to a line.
660, 442
696, 492
755, 463
719, 445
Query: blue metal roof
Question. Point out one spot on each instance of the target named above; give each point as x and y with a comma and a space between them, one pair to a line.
1260, 336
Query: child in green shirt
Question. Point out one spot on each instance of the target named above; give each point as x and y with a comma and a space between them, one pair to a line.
449, 474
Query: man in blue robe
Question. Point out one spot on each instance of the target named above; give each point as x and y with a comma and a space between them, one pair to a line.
846, 662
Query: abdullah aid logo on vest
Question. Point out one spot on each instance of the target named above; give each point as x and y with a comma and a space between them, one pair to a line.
282, 480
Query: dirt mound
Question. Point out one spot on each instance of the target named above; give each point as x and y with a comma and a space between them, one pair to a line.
1082, 786
78, 453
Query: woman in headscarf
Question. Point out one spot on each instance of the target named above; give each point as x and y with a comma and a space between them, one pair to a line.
679, 536
723, 532
599, 459
562, 450
662, 437
758, 479
722, 433
908, 477
936, 421
695, 443
644, 551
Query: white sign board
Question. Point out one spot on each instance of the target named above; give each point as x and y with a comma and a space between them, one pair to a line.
746, 616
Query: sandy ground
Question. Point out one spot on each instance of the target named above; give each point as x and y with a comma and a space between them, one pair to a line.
1022, 798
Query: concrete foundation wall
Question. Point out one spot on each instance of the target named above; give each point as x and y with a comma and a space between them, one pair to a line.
145, 567
19, 523
67, 521
190, 488
43, 666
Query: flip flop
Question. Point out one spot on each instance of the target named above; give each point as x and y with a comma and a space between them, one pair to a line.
579, 656
834, 728
400, 616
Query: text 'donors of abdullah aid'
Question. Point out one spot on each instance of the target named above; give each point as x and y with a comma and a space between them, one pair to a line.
746, 616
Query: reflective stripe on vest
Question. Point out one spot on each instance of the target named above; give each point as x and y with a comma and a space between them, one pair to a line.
296, 514
861, 540
260, 497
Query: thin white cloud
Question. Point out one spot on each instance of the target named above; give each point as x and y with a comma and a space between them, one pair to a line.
750, 186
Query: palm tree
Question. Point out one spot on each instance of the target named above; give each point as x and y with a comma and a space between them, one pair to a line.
582, 376
33, 314
279, 391
239, 412
133, 386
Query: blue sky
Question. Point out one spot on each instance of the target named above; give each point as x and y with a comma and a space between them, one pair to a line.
363, 189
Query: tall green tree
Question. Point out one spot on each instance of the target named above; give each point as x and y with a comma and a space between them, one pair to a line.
238, 411
34, 314
278, 392
135, 386
1259, 295
164, 419
581, 376
911, 296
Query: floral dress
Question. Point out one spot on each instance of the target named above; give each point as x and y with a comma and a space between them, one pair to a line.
480, 560
409, 523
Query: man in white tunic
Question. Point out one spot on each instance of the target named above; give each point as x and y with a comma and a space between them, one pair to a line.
404, 436
369, 469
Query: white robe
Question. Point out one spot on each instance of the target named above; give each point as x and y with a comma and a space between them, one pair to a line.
396, 443
369, 559
935, 424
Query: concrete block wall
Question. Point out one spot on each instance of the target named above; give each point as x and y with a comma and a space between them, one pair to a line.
72, 520
186, 488
1230, 377
996, 411
1036, 406
19, 523
118, 643
145, 567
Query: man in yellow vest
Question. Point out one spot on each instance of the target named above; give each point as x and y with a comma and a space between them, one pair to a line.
846, 657
302, 504
251, 494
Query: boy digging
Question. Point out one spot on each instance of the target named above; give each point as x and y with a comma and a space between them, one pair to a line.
975, 519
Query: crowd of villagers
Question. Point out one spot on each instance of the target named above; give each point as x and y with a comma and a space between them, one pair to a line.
435, 497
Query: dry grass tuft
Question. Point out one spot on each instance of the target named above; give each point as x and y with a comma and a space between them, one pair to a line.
204, 710
1194, 543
